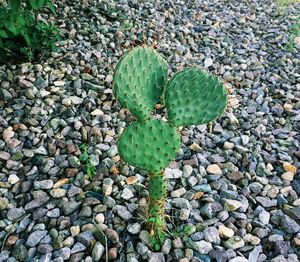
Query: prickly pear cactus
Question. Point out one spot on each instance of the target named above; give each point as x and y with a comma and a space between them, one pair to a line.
192, 97
139, 81
149, 145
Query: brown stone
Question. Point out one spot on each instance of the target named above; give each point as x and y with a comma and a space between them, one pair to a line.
112, 253
11, 240
235, 176
71, 172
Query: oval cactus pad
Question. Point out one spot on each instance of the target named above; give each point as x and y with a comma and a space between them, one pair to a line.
139, 80
149, 145
194, 97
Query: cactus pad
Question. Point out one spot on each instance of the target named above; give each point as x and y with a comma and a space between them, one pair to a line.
139, 81
149, 145
194, 97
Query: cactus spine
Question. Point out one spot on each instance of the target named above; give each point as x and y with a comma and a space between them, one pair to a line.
191, 96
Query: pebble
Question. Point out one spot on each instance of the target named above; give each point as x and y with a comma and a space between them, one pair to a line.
214, 169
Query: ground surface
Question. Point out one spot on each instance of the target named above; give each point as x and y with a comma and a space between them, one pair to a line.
234, 187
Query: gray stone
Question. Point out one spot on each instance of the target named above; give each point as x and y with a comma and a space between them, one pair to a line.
85, 238
69, 207
78, 247
156, 257
211, 234
35, 237
97, 251
202, 246
15, 213
289, 225
45, 184
123, 212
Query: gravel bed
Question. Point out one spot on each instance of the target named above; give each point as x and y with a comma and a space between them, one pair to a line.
233, 189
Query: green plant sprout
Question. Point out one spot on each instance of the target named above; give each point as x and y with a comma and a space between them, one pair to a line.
85, 158
191, 96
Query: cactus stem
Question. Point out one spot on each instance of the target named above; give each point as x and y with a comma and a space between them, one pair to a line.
156, 218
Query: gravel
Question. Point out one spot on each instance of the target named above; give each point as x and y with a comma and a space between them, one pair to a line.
233, 190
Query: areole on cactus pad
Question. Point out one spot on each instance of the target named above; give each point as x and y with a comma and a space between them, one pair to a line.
192, 97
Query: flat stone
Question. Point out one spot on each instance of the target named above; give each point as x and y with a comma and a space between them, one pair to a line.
44, 184
36, 203
35, 237
15, 213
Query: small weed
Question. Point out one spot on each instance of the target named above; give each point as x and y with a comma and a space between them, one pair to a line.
85, 159
295, 32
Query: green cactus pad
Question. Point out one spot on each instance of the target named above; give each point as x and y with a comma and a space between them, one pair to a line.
194, 97
157, 186
139, 80
149, 145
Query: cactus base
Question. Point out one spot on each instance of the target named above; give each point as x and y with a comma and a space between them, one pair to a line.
156, 218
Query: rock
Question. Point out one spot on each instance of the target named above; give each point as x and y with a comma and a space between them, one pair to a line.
282, 248
112, 235
8, 133
127, 194
4, 155
78, 247
3, 203
173, 173
19, 252
231, 205
289, 176
211, 234
112, 253
97, 251
44, 184
234, 242
166, 248
181, 203
264, 217
35, 237
86, 238
123, 212
214, 169
38, 202
13, 179
254, 254
225, 232
253, 240
208, 62
145, 237
202, 246
238, 259
15, 213
68, 207
134, 228
266, 202
289, 168
156, 257
289, 225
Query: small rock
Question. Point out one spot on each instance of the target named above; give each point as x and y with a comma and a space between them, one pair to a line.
35, 237
202, 246
234, 242
225, 232
44, 184
214, 169
13, 179
97, 251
